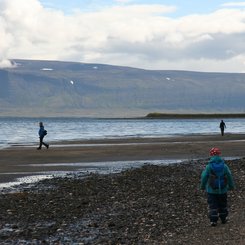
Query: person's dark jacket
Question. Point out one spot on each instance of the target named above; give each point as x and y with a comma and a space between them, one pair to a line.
42, 131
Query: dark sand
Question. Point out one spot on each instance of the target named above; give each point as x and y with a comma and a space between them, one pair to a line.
151, 205
18, 161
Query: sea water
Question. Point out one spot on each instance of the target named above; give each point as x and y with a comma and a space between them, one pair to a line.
24, 131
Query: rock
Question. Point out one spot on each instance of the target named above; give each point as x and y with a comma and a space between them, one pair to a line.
148, 205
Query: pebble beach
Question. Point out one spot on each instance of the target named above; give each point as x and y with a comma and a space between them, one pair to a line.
147, 205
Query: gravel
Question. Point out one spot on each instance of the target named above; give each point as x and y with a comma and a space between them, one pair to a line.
147, 205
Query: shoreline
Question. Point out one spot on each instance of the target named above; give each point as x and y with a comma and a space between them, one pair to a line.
150, 115
27, 161
159, 115
148, 205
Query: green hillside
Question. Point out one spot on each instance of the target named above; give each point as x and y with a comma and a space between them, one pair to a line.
53, 88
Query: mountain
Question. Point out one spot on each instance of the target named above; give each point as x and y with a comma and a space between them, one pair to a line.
54, 88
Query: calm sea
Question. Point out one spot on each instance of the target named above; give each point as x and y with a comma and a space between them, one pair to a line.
24, 130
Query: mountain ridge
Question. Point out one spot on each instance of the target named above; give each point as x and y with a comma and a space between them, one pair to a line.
59, 88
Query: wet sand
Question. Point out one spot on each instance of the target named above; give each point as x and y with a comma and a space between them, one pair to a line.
148, 205
19, 161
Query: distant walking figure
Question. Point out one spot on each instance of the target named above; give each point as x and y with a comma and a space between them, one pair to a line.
42, 132
222, 127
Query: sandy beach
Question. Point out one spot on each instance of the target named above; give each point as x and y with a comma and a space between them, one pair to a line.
150, 205
18, 161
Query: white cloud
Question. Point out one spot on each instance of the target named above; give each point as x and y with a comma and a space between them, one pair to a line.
6, 63
234, 4
131, 35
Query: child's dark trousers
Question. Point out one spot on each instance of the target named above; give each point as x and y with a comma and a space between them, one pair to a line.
217, 207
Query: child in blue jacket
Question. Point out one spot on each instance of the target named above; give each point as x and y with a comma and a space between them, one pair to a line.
217, 179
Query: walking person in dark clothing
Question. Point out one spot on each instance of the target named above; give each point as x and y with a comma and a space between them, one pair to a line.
222, 127
42, 132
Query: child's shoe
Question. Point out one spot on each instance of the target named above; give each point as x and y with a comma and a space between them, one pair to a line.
213, 223
224, 221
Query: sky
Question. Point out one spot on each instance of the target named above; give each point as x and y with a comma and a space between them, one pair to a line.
193, 35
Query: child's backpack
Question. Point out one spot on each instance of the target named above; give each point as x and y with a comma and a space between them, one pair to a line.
217, 177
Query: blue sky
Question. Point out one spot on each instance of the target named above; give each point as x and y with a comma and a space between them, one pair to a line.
184, 7
158, 35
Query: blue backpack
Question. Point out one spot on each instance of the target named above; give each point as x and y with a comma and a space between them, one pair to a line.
217, 177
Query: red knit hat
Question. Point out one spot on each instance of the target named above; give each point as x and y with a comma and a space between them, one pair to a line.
215, 151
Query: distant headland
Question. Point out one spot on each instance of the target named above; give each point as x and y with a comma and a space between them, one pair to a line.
157, 115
